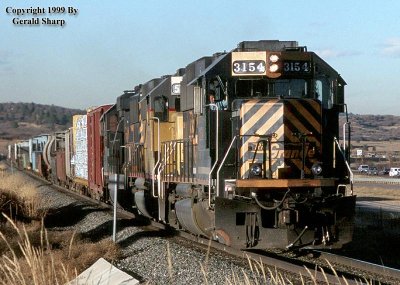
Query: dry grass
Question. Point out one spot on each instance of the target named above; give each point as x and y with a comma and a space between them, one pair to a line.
31, 255
388, 146
389, 191
30, 264
4, 146
264, 275
3, 168
18, 196
41, 258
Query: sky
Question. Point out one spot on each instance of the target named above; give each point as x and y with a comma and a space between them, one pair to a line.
112, 46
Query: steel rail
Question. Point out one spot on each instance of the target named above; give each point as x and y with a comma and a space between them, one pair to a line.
377, 180
307, 271
367, 267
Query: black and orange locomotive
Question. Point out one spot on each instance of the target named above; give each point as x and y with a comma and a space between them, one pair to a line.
258, 165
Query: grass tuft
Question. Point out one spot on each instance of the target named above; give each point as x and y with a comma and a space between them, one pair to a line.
19, 197
29, 254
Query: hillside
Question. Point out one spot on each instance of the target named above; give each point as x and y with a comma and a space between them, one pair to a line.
23, 120
36, 113
374, 127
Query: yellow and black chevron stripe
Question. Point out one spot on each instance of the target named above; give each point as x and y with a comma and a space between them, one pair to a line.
259, 118
302, 116
284, 119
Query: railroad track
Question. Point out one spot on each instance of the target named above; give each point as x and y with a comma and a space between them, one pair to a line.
328, 268
370, 271
376, 179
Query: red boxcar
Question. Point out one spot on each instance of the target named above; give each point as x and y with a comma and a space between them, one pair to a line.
60, 167
95, 151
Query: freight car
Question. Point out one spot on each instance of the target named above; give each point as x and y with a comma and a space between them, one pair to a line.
76, 155
65, 155
241, 147
28, 154
95, 152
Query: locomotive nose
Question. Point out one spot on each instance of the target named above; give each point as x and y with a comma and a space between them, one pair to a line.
282, 136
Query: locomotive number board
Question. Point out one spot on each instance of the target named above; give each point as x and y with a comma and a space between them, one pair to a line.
256, 63
248, 63
296, 66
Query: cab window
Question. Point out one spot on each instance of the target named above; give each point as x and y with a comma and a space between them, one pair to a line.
295, 88
161, 108
291, 88
324, 92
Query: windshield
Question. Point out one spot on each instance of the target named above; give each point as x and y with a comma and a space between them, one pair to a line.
296, 88
291, 88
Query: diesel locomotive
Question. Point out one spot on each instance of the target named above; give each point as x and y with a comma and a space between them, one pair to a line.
241, 147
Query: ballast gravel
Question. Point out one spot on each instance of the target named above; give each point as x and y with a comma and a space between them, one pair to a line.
153, 258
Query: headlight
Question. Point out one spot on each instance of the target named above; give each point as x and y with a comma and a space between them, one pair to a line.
273, 58
273, 67
255, 170
316, 169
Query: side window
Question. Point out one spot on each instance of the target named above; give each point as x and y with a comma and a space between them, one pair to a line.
134, 111
324, 92
318, 89
339, 92
161, 108
216, 94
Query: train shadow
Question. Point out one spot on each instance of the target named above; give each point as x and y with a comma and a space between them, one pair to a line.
68, 215
71, 215
161, 233
105, 230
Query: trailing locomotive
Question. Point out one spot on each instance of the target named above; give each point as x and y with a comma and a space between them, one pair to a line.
241, 147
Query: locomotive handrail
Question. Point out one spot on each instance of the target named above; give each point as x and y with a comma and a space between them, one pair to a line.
344, 137
216, 152
348, 124
268, 140
347, 165
116, 187
220, 166
153, 172
161, 168
216, 129
224, 158
137, 158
